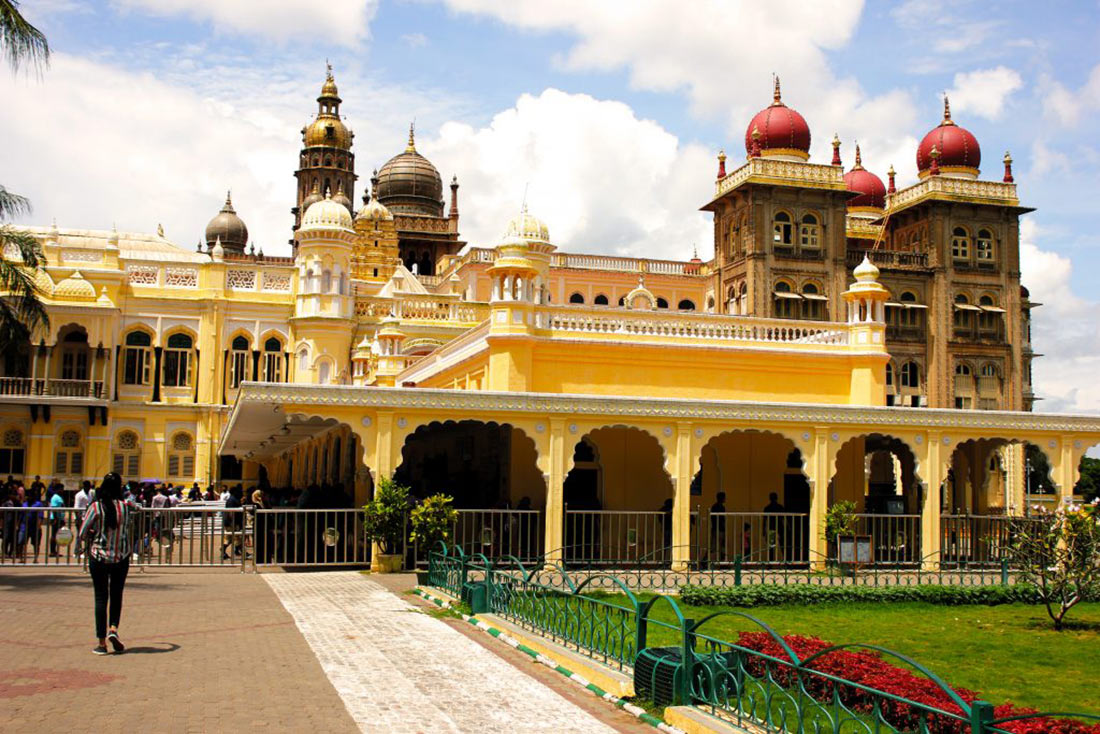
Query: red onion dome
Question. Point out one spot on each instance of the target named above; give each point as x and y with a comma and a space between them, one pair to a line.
869, 187
781, 131
959, 151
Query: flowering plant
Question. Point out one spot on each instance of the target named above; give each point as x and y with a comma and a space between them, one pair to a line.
1059, 553
868, 685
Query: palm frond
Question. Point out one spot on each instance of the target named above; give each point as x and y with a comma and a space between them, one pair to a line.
22, 312
30, 249
12, 205
21, 42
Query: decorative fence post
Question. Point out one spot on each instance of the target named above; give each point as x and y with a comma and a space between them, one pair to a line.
981, 714
1004, 572
737, 570
687, 656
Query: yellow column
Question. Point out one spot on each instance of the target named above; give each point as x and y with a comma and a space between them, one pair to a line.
1064, 463
819, 460
554, 520
932, 469
681, 503
384, 452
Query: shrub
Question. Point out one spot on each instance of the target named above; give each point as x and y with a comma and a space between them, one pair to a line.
384, 516
432, 520
764, 595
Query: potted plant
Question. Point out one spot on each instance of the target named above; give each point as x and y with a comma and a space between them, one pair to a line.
432, 521
840, 521
384, 525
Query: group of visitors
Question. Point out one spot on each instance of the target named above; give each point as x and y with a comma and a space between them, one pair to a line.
29, 514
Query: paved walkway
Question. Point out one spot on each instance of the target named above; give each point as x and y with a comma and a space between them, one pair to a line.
207, 652
400, 670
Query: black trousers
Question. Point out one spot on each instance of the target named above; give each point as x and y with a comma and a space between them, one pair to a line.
108, 579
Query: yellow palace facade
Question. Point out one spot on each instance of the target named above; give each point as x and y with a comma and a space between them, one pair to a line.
847, 341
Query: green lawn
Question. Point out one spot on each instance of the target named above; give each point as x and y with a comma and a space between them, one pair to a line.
1006, 653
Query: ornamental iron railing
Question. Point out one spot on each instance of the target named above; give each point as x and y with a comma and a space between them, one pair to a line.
757, 682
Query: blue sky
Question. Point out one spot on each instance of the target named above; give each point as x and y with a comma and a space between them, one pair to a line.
608, 113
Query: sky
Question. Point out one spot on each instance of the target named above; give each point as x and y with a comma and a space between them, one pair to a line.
606, 114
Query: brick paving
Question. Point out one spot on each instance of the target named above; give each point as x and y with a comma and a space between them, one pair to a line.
400, 670
207, 652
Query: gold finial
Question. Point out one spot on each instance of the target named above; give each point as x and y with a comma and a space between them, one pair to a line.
328, 70
1007, 158
722, 156
836, 140
777, 98
328, 192
859, 158
755, 133
411, 147
946, 111
890, 172
934, 153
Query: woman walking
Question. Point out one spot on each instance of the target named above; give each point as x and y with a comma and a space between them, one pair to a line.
106, 530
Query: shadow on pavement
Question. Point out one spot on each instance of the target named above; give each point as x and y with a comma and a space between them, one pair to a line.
152, 649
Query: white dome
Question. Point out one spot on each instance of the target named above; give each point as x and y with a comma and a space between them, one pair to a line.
374, 209
326, 214
527, 226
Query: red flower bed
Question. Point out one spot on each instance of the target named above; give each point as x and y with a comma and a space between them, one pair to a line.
866, 668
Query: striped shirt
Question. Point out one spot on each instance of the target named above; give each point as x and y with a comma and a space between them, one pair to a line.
109, 545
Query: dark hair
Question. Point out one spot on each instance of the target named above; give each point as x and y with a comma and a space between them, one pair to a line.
109, 491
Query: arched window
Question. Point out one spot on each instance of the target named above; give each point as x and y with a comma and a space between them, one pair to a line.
12, 450
273, 360
324, 372
136, 358
238, 362
964, 312
600, 300
622, 300
960, 244
733, 234
69, 457
326, 281
984, 246
989, 319
809, 233
303, 360
910, 375
177, 361
686, 305
989, 370
910, 315
343, 284
181, 456
743, 300
662, 303
710, 304
576, 298
746, 236
126, 457
812, 302
786, 302
963, 369
782, 229
890, 376
426, 266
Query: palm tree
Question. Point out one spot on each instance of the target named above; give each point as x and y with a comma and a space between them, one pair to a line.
21, 311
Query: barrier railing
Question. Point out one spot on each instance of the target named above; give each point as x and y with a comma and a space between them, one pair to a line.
293, 537
894, 539
757, 538
611, 537
517, 533
978, 540
757, 682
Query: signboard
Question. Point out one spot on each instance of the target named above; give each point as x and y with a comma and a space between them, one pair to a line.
854, 549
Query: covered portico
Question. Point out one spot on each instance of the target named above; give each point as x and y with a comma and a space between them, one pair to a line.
281, 427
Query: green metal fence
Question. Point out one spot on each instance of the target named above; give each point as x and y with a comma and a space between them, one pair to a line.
767, 685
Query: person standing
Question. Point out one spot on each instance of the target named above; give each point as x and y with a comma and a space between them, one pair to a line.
106, 530
57, 518
80, 502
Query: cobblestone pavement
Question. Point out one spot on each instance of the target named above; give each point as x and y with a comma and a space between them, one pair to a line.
400, 670
207, 652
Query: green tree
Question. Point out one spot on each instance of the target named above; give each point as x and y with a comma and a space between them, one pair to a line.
21, 311
1089, 483
432, 521
384, 516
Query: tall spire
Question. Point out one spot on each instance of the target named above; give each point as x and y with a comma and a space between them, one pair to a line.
947, 111
836, 150
411, 147
777, 97
454, 197
859, 159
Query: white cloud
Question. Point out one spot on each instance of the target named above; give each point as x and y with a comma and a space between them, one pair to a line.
602, 179
99, 143
1065, 331
721, 54
415, 40
985, 91
342, 22
1069, 107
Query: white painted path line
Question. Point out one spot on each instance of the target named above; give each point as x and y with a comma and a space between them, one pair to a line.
400, 671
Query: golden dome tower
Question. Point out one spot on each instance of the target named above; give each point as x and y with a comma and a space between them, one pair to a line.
326, 164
